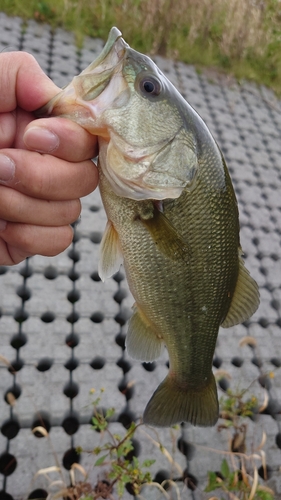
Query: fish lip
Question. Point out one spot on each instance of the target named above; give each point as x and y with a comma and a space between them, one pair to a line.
73, 102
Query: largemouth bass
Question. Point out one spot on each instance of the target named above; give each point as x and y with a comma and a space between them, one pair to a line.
172, 220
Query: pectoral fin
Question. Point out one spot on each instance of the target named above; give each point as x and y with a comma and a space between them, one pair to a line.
142, 342
110, 253
166, 237
245, 299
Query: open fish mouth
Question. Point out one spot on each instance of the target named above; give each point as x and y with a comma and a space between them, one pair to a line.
92, 91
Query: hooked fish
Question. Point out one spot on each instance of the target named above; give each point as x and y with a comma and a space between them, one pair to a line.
172, 220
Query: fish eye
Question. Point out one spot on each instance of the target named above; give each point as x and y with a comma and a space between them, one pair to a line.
150, 86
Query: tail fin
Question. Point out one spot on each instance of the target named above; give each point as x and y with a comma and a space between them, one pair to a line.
170, 405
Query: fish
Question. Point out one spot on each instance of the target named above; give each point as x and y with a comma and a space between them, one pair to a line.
172, 221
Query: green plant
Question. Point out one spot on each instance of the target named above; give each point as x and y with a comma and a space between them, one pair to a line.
238, 478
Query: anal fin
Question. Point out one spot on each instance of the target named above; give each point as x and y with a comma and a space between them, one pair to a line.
245, 300
110, 253
142, 342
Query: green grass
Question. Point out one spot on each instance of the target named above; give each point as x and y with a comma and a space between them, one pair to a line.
239, 37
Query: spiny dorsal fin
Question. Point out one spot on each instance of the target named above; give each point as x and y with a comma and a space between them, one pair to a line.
110, 252
142, 342
245, 300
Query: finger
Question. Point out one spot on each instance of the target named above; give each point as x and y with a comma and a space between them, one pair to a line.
17, 207
23, 82
19, 241
45, 176
61, 137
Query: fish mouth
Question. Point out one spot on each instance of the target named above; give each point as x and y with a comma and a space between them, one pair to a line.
91, 92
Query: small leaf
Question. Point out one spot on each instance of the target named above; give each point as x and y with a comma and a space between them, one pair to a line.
101, 460
225, 468
148, 463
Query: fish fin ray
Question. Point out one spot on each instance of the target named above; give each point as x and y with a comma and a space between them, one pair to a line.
171, 404
245, 300
110, 252
141, 341
166, 237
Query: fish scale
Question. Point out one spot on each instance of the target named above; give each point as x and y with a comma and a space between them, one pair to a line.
172, 219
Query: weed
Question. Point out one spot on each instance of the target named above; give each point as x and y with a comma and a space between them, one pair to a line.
241, 37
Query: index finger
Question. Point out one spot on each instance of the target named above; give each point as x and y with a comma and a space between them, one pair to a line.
23, 82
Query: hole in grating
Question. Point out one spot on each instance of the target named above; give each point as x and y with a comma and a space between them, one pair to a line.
41, 420
38, 494
217, 362
256, 361
97, 317
73, 296
276, 362
18, 340
265, 382
97, 363
186, 448
120, 295
120, 340
118, 277
278, 440
126, 388
74, 255
190, 480
95, 276
124, 365
21, 315
24, 293
70, 457
73, 275
5, 496
71, 364
263, 322
3, 270
236, 361
26, 271
121, 318
162, 475
135, 452
8, 464
273, 408
72, 340
275, 304
10, 428
48, 317
94, 208
224, 384
265, 472
12, 393
71, 389
44, 364
16, 365
70, 424
51, 273
73, 317
77, 235
126, 418
149, 367
96, 237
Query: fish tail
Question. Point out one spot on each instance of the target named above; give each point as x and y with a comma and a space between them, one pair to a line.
171, 404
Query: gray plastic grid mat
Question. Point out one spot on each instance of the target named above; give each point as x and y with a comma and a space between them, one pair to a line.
62, 330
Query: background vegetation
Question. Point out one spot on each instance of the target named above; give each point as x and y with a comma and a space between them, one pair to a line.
240, 37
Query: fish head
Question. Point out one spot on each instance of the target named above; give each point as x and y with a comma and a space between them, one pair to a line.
147, 151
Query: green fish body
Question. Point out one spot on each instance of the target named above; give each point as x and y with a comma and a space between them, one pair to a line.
172, 220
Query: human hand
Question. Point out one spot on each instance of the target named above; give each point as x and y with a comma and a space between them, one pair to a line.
45, 165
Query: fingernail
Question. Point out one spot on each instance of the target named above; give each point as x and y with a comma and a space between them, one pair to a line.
41, 140
7, 168
3, 224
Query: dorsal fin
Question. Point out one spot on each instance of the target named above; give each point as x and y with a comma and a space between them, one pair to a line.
245, 300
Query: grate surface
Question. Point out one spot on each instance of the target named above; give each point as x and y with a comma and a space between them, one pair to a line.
62, 330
